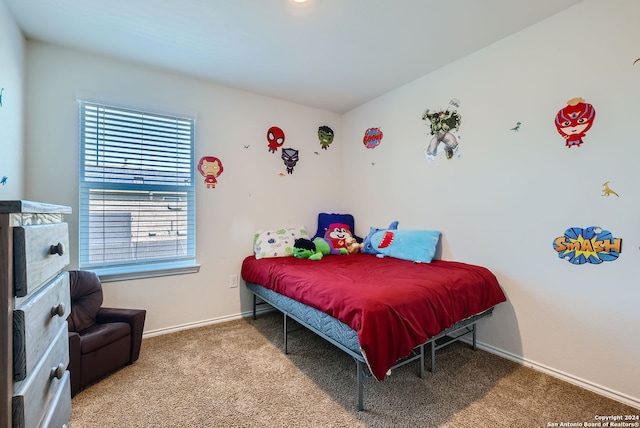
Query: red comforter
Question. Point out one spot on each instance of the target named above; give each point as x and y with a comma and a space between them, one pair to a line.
394, 305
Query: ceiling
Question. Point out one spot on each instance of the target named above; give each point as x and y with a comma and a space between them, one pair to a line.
330, 54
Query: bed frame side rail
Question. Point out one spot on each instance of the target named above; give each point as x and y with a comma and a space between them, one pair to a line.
453, 334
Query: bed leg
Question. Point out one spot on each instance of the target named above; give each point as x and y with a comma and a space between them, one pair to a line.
473, 335
254, 307
360, 376
286, 348
422, 361
433, 356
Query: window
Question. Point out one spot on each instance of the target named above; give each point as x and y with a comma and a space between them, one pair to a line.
137, 194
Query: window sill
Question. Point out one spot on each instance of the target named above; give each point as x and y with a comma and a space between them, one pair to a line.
138, 272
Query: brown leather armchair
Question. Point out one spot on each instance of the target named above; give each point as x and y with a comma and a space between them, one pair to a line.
101, 340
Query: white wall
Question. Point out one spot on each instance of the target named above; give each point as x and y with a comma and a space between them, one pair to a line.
507, 197
251, 194
12, 110
501, 204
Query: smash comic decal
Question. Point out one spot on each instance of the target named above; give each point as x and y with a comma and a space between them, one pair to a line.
573, 121
591, 245
372, 138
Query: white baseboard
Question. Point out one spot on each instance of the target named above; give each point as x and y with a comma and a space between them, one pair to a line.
173, 329
590, 386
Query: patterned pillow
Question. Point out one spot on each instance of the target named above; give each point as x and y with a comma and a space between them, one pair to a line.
277, 242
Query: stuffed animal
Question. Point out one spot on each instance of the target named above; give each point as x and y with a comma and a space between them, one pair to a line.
415, 245
316, 249
367, 248
338, 233
353, 246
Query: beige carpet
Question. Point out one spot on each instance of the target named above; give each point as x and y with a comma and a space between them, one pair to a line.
235, 374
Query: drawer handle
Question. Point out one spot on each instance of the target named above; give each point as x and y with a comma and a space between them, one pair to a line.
58, 310
58, 372
57, 249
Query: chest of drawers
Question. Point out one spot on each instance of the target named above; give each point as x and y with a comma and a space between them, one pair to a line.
34, 301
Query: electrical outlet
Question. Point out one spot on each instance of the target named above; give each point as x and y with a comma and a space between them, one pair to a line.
233, 281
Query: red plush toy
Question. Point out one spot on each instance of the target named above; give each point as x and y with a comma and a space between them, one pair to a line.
339, 234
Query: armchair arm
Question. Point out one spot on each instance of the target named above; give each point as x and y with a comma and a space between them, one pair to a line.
134, 317
74, 362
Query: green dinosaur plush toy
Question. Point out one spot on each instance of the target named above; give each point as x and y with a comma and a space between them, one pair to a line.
316, 249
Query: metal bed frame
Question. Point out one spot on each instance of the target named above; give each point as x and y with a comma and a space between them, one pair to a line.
453, 334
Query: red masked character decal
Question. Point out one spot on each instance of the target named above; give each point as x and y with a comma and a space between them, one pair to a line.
275, 136
573, 121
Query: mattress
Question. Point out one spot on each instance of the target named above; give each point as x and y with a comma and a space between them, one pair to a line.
392, 305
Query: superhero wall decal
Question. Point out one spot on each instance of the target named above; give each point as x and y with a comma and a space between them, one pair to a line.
290, 158
325, 135
444, 125
574, 120
210, 167
275, 138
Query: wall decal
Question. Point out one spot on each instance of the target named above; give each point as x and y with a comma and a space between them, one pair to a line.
325, 134
4, 180
1, 91
634, 62
372, 138
444, 124
591, 245
606, 190
517, 127
211, 168
574, 120
290, 158
275, 137
246, 146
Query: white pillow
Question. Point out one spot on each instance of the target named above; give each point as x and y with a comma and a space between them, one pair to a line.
277, 242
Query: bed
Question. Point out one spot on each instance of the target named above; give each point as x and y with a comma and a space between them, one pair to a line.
383, 312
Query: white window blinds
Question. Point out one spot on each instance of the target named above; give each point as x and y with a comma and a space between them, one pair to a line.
137, 196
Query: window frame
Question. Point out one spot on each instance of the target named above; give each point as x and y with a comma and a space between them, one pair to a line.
90, 186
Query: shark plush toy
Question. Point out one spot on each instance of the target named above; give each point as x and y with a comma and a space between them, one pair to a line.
414, 245
367, 248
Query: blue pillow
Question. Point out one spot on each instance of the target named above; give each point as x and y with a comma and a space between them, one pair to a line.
325, 219
413, 245
367, 248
